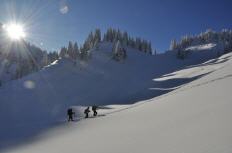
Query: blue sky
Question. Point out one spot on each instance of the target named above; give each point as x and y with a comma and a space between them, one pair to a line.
52, 23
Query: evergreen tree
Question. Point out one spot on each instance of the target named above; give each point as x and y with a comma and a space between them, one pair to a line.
63, 52
149, 49
84, 54
45, 60
97, 38
113, 35
173, 45
125, 39
75, 51
119, 53
70, 50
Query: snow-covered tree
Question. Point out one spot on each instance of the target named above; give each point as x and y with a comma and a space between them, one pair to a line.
119, 53
223, 40
52, 56
125, 39
63, 52
97, 36
173, 44
70, 49
75, 51
84, 54
113, 35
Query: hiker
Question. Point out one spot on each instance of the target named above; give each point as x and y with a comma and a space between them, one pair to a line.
87, 112
94, 109
70, 114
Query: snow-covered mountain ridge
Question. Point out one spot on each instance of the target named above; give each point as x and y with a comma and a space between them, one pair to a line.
40, 99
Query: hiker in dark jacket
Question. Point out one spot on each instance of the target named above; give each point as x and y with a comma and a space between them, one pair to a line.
94, 109
87, 112
70, 114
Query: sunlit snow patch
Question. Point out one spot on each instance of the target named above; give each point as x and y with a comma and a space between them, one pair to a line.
201, 47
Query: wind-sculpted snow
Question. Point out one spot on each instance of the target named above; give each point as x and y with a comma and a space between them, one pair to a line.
39, 101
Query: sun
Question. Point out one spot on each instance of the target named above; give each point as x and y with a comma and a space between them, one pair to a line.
15, 31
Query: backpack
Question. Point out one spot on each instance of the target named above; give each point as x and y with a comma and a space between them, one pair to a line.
70, 111
94, 108
86, 111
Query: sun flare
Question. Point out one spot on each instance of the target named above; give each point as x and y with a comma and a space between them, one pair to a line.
15, 31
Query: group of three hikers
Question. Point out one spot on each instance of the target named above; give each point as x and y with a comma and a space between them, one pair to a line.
70, 112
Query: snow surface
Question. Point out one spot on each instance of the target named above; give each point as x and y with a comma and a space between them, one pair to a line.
193, 119
182, 117
201, 47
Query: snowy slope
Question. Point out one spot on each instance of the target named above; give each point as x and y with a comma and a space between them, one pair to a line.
194, 119
40, 100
